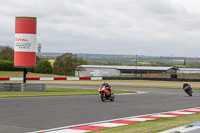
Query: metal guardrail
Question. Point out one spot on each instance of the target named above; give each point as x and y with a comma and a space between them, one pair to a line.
1, 87
33, 87
23, 87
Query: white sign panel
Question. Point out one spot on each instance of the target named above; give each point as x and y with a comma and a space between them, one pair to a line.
25, 43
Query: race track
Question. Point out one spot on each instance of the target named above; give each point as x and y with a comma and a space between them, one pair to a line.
20, 115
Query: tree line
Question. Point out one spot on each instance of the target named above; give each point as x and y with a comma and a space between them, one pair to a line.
65, 64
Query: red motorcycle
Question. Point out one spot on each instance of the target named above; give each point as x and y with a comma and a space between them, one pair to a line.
105, 94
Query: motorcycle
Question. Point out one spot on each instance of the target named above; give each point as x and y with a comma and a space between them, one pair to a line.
188, 90
105, 94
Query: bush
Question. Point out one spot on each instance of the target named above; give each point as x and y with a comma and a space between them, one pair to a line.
6, 65
43, 66
67, 63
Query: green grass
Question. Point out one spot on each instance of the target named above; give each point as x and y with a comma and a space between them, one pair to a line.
57, 92
29, 74
134, 86
153, 126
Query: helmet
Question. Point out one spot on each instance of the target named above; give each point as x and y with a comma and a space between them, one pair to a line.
103, 82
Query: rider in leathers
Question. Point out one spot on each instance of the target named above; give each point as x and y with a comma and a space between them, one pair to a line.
107, 86
185, 85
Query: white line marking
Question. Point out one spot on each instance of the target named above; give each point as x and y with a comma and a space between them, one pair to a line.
109, 124
187, 113
69, 131
165, 115
139, 119
132, 93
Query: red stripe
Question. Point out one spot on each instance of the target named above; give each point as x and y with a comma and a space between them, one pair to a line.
173, 114
60, 78
4, 78
26, 26
125, 121
25, 59
32, 78
192, 111
90, 128
151, 117
84, 78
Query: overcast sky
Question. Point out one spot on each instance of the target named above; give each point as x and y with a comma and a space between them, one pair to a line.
126, 27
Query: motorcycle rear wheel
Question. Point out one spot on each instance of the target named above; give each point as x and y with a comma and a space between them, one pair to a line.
112, 97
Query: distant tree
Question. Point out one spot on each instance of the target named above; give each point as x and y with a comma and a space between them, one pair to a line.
67, 63
43, 66
6, 53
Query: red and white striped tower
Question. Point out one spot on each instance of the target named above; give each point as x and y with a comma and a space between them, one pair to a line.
25, 42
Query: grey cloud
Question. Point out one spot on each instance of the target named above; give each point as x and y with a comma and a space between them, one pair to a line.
156, 27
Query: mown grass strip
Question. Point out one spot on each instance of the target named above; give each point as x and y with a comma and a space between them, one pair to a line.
153, 126
57, 92
134, 86
29, 74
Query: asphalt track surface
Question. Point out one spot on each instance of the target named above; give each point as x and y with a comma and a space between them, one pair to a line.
20, 115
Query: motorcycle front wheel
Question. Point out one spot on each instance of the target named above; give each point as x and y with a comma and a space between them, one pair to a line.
103, 97
189, 93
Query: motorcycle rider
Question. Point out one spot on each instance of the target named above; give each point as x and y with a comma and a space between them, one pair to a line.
186, 86
107, 86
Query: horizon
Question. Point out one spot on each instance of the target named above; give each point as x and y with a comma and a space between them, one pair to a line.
121, 55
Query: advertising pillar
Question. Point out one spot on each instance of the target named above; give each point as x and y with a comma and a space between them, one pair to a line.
25, 42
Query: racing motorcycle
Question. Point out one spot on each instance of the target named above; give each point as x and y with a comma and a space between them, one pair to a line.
105, 94
188, 90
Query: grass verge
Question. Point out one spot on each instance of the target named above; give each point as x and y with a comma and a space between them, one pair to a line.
153, 126
134, 86
29, 74
57, 92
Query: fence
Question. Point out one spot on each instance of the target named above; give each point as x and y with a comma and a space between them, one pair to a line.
158, 76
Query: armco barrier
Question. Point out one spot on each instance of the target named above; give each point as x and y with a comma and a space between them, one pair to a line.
22, 87
51, 78
12, 86
1, 87
33, 87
